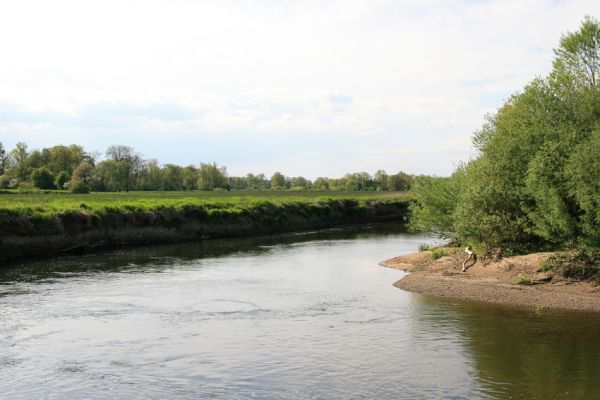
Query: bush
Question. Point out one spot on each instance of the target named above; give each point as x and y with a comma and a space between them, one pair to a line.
439, 252
524, 280
22, 186
42, 178
582, 264
4, 182
424, 247
61, 179
80, 187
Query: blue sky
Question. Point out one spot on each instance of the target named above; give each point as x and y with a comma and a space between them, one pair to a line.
307, 88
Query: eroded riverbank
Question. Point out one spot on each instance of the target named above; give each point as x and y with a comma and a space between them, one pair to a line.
84, 231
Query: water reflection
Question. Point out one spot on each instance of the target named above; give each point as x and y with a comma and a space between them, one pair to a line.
521, 353
154, 258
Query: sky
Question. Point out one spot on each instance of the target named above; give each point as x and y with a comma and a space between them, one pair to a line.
308, 88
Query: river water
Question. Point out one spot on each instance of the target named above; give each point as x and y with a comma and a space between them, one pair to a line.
292, 317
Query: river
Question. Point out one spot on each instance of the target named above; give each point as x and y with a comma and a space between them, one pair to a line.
307, 316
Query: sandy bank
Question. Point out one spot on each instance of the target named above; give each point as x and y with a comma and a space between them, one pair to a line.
494, 282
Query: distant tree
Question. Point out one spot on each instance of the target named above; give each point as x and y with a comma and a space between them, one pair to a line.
36, 160
172, 177
381, 180
42, 178
84, 173
212, 176
3, 159
112, 176
127, 166
321, 184
150, 176
399, 182
64, 158
300, 182
18, 160
359, 181
277, 181
190, 177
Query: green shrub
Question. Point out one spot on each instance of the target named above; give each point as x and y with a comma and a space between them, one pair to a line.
524, 280
4, 182
61, 179
42, 178
424, 247
80, 188
582, 264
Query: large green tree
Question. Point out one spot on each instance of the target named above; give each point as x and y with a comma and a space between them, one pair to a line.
535, 181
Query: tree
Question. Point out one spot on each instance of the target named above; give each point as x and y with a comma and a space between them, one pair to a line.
64, 158
535, 181
172, 177
359, 181
381, 180
300, 183
321, 184
578, 56
84, 173
127, 166
3, 159
190, 177
211, 176
18, 160
277, 181
112, 176
400, 182
42, 178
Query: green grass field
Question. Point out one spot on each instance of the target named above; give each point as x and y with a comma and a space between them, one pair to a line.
52, 202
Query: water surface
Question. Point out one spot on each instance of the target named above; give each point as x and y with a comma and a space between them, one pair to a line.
292, 317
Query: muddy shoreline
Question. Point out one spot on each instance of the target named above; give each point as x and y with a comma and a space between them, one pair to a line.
495, 282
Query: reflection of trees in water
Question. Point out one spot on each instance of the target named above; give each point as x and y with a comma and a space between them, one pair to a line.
158, 258
524, 354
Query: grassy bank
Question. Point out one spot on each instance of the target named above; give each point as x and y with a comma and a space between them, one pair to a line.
52, 223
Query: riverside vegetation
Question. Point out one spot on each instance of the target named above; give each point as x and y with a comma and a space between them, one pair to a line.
39, 223
535, 182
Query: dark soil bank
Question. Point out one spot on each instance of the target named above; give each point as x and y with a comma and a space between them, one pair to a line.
84, 231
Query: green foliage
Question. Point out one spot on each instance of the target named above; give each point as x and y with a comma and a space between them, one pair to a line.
211, 176
583, 264
582, 172
524, 280
435, 202
80, 187
4, 182
124, 169
536, 181
3, 159
42, 178
439, 252
54, 202
61, 179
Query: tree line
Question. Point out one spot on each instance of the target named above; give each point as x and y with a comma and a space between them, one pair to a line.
124, 169
535, 183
